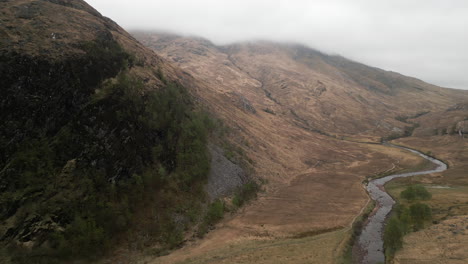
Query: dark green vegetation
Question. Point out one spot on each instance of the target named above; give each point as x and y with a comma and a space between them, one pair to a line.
214, 214
245, 193
81, 152
393, 238
407, 219
416, 192
217, 208
39, 96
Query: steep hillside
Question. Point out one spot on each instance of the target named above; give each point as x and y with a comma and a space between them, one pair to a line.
107, 146
322, 93
100, 143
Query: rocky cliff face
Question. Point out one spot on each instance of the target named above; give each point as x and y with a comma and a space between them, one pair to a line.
44, 102
41, 96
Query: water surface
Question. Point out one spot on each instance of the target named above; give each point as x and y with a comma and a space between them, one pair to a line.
371, 240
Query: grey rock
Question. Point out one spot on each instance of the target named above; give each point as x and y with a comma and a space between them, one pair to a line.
225, 176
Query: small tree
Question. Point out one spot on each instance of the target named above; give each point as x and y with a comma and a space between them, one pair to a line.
420, 213
393, 236
408, 194
422, 193
416, 192
403, 213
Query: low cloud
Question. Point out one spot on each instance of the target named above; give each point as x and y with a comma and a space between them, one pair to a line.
426, 39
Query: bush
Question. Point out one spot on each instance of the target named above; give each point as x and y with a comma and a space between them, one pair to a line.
245, 193
393, 236
214, 214
85, 236
420, 213
416, 192
406, 219
414, 217
404, 216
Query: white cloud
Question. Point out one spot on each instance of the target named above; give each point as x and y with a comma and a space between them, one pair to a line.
427, 39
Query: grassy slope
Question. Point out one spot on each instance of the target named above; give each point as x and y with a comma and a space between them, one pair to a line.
321, 248
285, 110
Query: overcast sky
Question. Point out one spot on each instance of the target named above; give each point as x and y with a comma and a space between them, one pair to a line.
427, 39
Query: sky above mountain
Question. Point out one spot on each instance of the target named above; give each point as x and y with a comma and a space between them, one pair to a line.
427, 39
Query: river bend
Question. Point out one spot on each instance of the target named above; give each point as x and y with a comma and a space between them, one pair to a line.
371, 238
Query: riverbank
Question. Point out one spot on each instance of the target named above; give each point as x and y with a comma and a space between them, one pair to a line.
370, 241
443, 242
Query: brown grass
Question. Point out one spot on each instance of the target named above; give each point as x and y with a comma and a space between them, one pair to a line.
307, 205
442, 243
317, 249
314, 177
446, 241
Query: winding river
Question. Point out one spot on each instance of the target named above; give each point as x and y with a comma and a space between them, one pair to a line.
371, 240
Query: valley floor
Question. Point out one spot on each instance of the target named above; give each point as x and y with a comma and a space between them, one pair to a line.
445, 241
316, 249
317, 206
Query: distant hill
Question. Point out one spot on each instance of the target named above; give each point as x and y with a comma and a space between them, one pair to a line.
320, 92
116, 145
305, 120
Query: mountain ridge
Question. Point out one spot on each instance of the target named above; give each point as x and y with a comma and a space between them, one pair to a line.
103, 138
293, 44
382, 89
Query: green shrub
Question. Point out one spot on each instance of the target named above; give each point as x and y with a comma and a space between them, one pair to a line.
393, 236
415, 192
245, 193
404, 216
214, 213
420, 214
407, 219
85, 236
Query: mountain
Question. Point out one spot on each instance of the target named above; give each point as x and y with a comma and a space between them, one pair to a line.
120, 148
101, 144
303, 119
317, 91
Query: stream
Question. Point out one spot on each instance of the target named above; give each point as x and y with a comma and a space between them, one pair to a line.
371, 239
